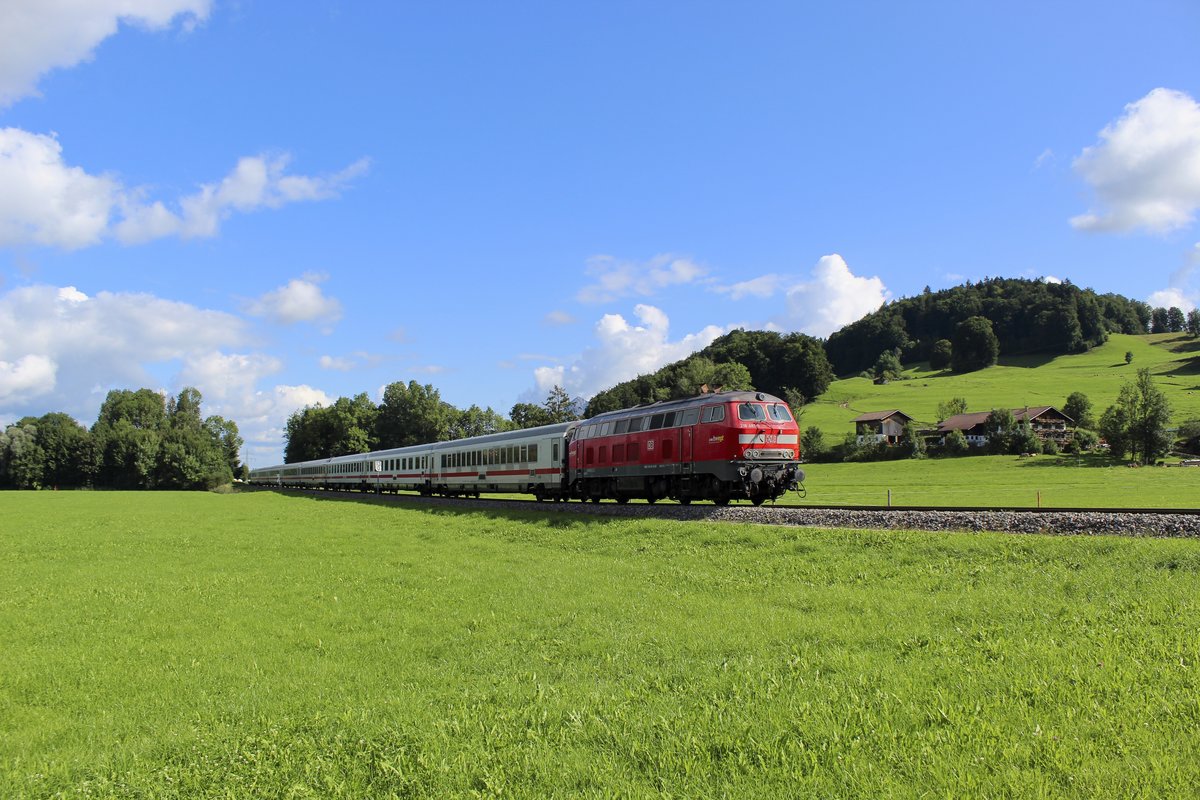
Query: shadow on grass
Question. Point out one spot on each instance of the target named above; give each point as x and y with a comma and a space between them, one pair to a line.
1189, 367
1184, 345
1032, 361
1086, 460
441, 506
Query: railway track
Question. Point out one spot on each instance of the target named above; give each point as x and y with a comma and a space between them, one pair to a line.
1174, 523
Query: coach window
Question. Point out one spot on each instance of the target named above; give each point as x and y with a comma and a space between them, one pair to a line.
533, 453
690, 416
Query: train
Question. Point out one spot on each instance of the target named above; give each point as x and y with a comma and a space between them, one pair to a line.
717, 447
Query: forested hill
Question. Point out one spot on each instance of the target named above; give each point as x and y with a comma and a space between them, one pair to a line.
792, 366
1027, 316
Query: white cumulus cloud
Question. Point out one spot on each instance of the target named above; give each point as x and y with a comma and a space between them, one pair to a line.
832, 298
1145, 170
623, 351
256, 182
829, 297
28, 377
66, 349
615, 278
63, 350
300, 300
37, 36
47, 201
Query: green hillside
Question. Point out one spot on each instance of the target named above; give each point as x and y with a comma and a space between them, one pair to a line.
1173, 359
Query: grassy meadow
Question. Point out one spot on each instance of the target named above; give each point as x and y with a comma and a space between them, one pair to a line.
1173, 360
161, 645
1088, 481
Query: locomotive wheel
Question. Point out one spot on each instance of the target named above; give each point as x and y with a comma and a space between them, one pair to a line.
758, 501
622, 500
685, 501
722, 501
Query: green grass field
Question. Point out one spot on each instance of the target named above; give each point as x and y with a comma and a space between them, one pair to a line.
1089, 481
1173, 359
255, 645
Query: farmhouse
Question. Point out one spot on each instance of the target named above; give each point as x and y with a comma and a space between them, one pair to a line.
1047, 422
886, 427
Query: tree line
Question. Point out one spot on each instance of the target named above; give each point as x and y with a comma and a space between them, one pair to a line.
409, 414
141, 440
792, 366
1024, 317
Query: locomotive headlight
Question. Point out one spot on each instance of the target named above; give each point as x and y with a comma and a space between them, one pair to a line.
742, 471
756, 475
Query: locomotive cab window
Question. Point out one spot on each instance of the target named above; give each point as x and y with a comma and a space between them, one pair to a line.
713, 414
751, 412
779, 412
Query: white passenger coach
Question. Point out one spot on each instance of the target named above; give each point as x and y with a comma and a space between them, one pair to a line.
528, 461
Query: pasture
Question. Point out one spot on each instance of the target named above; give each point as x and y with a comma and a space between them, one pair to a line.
257, 645
1021, 381
1089, 481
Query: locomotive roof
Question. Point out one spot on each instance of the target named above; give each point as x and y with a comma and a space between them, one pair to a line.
671, 405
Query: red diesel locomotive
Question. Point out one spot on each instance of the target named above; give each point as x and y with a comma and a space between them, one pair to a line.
717, 447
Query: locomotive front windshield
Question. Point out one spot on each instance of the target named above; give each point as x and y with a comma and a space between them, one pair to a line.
755, 412
779, 412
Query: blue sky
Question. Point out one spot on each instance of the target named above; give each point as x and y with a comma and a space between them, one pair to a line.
281, 204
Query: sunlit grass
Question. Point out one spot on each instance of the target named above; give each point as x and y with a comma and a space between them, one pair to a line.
1173, 359
256, 645
1090, 481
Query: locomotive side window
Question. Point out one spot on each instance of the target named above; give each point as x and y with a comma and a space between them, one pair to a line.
670, 419
606, 429
656, 422
690, 416
637, 424
751, 412
622, 426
